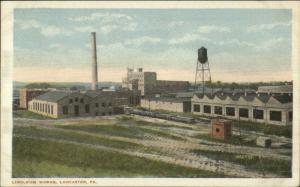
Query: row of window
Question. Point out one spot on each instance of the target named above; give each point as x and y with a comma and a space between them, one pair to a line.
76, 99
42, 107
243, 112
65, 109
102, 104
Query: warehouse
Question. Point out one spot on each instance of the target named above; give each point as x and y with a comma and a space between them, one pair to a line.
64, 104
262, 108
168, 104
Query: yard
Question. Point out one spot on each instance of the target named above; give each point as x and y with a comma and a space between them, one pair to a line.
122, 146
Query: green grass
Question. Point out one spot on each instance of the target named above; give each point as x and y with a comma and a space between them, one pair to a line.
73, 136
131, 131
39, 158
28, 114
234, 140
264, 128
280, 167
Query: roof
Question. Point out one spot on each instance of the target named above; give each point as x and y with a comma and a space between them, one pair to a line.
284, 98
53, 96
168, 99
263, 97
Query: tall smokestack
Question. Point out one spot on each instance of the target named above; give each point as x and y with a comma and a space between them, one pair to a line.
94, 63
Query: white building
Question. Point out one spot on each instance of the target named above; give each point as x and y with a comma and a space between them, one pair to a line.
262, 108
148, 85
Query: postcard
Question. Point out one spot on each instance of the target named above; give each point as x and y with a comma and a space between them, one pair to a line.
145, 93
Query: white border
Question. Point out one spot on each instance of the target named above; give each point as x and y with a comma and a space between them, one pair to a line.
6, 88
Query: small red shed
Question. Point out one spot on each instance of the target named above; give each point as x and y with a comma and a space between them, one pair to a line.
221, 128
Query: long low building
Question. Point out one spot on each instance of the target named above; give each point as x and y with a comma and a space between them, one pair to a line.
168, 104
262, 108
64, 104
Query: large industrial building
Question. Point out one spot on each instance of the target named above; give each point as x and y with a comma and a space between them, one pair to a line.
261, 107
64, 104
147, 83
168, 104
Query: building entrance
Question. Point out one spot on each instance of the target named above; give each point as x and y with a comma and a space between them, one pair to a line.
76, 110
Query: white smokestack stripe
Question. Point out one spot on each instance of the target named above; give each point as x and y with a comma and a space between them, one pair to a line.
94, 63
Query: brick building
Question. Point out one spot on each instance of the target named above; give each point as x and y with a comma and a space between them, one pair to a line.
27, 95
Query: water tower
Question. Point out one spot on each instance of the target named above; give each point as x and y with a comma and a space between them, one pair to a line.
202, 70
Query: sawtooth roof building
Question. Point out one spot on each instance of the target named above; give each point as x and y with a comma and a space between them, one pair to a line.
257, 107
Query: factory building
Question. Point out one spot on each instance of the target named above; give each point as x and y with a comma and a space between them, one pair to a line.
262, 108
282, 89
65, 104
168, 104
27, 95
147, 83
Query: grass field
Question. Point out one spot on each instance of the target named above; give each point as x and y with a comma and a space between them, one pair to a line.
281, 167
265, 128
37, 158
28, 114
125, 146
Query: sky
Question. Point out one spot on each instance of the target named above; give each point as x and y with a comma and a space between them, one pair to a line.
244, 45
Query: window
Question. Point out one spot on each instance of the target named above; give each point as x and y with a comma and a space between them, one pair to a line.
230, 111
258, 114
96, 114
70, 101
48, 108
275, 115
218, 110
207, 109
196, 108
109, 113
96, 104
103, 104
109, 104
290, 115
65, 110
76, 99
244, 112
217, 130
51, 109
81, 100
103, 113
87, 108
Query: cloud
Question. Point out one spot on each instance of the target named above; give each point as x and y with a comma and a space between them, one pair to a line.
175, 23
264, 27
142, 40
235, 42
106, 23
84, 29
189, 37
45, 30
104, 17
269, 44
213, 28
